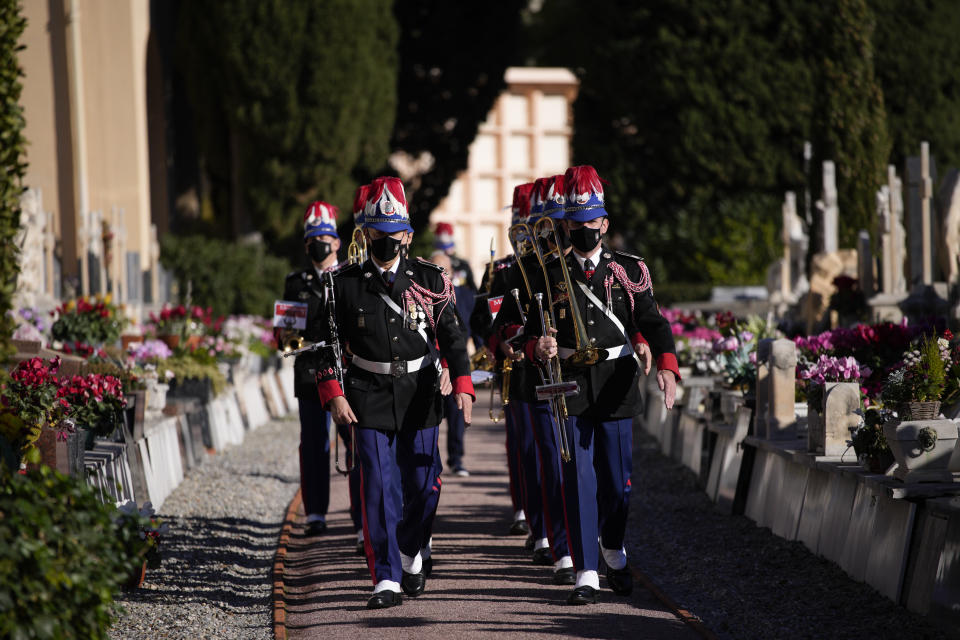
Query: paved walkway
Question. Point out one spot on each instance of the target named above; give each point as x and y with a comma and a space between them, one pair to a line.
483, 581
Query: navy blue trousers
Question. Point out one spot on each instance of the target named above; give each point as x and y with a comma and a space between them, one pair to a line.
315, 462
523, 461
596, 487
400, 484
455, 429
551, 476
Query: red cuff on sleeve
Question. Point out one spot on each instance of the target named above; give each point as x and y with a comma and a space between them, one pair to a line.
463, 384
328, 390
443, 363
529, 348
638, 339
668, 362
511, 330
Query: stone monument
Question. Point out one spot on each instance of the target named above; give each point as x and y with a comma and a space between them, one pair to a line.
34, 243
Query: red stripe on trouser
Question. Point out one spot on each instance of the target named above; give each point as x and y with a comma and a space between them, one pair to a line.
543, 487
563, 496
367, 547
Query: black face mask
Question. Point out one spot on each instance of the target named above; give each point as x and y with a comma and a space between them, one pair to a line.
319, 251
584, 239
385, 248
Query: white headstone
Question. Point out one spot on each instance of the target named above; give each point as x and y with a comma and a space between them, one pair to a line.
884, 228
31, 282
829, 211
865, 262
898, 233
949, 232
921, 172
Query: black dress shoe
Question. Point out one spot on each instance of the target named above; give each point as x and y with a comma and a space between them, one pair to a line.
384, 600
427, 567
542, 557
620, 581
583, 595
413, 584
315, 528
567, 575
519, 528
528, 545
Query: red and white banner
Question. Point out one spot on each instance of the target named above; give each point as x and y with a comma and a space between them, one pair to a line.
290, 315
494, 305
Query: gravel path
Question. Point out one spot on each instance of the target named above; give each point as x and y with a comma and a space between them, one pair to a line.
224, 521
743, 581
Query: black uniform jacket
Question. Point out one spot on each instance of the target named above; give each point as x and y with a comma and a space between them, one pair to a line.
369, 328
608, 389
306, 286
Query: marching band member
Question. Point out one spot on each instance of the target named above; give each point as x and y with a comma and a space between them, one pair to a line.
466, 291
392, 313
320, 244
614, 296
550, 537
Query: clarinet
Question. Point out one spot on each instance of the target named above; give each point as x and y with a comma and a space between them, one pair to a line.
333, 343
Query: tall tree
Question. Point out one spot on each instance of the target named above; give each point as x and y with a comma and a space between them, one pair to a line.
292, 100
916, 50
849, 122
696, 112
12, 163
452, 61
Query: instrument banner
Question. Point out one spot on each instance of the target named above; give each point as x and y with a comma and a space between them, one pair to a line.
494, 305
290, 315
548, 391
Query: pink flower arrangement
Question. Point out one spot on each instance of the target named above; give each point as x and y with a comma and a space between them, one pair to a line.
835, 369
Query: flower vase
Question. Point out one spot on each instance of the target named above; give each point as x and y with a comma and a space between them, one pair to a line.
172, 340
136, 577
922, 448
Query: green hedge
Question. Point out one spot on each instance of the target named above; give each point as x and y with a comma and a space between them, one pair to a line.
63, 558
228, 276
668, 293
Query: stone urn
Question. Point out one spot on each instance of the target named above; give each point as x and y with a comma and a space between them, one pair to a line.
922, 449
829, 424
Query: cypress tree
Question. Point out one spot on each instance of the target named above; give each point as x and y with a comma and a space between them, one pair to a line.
12, 163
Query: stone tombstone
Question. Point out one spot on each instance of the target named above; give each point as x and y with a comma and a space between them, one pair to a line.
865, 262
898, 233
921, 174
828, 209
948, 236
782, 386
134, 277
32, 239
829, 430
764, 348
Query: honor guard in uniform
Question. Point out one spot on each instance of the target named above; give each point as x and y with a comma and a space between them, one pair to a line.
466, 291
395, 318
550, 538
607, 324
320, 244
521, 452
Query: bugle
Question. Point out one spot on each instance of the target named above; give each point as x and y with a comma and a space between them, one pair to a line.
357, 249
555, 390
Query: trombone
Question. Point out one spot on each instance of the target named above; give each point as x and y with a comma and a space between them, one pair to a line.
585, 354
357, 249
555, 390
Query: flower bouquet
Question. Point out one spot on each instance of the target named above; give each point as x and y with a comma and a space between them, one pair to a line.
869, 442
93, 401
141, 534
181, 323
86, 324
30, 403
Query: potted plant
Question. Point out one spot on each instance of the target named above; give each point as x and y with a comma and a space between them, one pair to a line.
917, 386
29, 394
870, 444
837, 378
93, 401
86, 324
141, 533
181, 324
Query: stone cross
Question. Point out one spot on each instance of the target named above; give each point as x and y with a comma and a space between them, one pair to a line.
898, 234
921, 172
829, 211
865, 262
884, 229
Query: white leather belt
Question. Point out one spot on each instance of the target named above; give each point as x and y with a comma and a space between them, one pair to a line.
611, 353
396, 368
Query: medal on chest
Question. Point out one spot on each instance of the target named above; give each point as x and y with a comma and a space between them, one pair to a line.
415, 316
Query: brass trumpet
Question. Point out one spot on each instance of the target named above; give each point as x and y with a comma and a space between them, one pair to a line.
585, 353
522, 241
357, 249
482, 360
289, 340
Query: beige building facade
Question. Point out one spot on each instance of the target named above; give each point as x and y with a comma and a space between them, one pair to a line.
526, 135
85, 99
